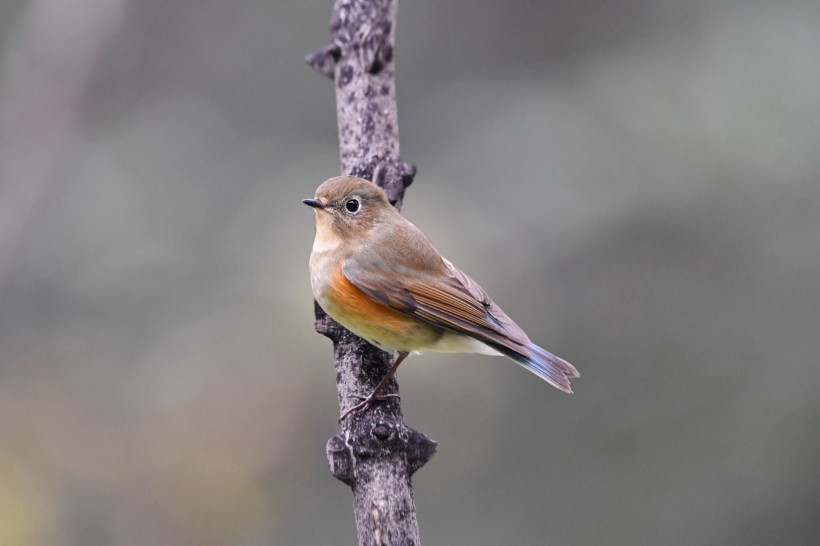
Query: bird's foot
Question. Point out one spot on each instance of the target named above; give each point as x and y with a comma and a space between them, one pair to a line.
366, 402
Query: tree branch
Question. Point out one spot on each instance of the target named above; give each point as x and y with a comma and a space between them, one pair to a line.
375, 452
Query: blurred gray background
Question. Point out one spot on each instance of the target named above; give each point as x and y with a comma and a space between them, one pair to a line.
637, 183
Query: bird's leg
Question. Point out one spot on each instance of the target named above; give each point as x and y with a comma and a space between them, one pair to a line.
374, 396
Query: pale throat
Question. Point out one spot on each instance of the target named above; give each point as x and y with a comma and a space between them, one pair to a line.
326, 237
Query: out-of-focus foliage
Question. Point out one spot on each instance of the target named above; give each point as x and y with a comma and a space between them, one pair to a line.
636, 182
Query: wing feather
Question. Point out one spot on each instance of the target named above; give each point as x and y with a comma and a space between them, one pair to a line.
447, 298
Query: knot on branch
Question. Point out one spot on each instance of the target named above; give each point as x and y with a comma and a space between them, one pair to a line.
376, 50
364, 27
374, 47
380, 438
324, 61
394, 177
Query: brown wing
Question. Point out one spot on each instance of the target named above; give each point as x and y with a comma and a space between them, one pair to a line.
446, 298
418, 282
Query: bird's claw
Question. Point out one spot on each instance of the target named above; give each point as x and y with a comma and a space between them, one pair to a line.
365, 402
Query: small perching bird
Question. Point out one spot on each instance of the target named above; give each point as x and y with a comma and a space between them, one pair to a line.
379, 276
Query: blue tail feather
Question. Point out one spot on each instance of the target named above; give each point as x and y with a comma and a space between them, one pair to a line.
555, 371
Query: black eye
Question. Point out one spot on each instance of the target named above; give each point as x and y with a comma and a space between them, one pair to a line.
352, 205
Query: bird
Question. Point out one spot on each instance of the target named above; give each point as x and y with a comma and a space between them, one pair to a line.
379, 276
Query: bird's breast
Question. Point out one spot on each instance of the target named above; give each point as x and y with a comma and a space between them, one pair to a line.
377, 323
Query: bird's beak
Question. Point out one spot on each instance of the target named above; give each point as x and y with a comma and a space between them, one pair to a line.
315, 203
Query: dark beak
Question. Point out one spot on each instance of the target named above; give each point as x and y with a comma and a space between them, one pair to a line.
315, 203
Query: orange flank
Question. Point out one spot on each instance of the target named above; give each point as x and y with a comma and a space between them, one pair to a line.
373, 321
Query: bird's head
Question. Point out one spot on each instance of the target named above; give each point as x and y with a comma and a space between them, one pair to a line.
348, 207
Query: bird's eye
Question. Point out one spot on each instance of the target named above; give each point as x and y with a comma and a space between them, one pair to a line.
352, 206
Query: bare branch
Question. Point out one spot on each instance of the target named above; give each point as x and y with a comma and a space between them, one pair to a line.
375, 452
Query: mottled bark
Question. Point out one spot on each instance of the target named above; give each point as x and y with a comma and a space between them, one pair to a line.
375, 452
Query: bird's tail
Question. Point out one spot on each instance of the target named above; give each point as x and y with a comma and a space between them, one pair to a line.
555, 371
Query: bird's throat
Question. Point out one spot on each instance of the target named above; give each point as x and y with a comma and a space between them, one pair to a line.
326, 237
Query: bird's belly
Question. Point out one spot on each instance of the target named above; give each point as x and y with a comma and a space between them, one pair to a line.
451, 342
379, 324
